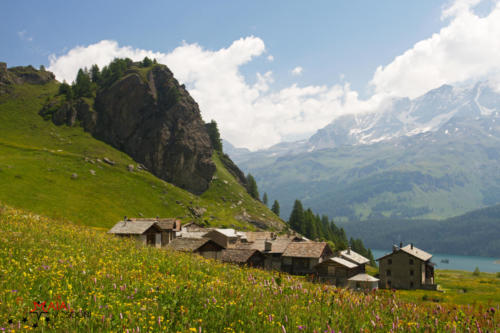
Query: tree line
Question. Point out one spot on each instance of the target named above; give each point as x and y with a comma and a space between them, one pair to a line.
313, 226
88, 81
316, 227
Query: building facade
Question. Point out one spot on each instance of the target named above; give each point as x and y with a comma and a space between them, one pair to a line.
406, 268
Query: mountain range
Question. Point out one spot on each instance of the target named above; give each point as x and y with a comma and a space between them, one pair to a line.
435, 156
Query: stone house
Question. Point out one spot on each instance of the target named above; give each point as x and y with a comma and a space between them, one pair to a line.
202, 246
339, 269
272, 249
169, 229
301, 258
145, 231
250, 257
336, 270
407, 268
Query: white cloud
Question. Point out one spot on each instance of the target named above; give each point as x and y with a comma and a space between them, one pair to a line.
297, 71
468, 48
270, 58
23, 35
65, 67
249, 115
257, 116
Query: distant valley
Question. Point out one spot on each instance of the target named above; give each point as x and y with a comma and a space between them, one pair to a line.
434, 157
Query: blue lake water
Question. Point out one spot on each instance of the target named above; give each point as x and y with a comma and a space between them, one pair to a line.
463, 263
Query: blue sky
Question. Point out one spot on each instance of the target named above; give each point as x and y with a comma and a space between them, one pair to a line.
326, 38
338, 45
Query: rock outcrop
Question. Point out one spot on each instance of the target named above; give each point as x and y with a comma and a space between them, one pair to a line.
151, 118
159, 125
20, 75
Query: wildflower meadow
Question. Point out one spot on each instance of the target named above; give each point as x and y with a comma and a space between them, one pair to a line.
56, 276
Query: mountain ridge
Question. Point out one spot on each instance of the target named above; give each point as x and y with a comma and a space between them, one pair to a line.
445, 170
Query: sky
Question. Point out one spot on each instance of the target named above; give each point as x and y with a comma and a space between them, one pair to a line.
268, 71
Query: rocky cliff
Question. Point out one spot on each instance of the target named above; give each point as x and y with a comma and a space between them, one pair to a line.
20, 75
147, 114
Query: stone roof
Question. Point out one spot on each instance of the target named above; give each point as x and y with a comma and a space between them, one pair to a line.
169, 224
193, 226
305, 249
135, 227
363, 277
191, 234
340, 261
231, 233
411, 250
254, 235
187, 244
420, 254
354, 257
277, 245
237, 255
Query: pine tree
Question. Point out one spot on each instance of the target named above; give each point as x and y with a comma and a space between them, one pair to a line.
214, 135
252, 187
276, 208
296, 219
146, 62
309, 225
264, 198
82, 86
65, 89
95, 74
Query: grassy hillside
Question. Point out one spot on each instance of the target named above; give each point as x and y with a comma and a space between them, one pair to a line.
38, 159
115, 284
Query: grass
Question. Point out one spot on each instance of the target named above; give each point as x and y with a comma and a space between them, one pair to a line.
37, 160
115, 284
459, 287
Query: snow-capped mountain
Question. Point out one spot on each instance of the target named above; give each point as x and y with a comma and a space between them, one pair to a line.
405, 117
434, 156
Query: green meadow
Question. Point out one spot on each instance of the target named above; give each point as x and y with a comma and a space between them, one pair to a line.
38, 160
86, 280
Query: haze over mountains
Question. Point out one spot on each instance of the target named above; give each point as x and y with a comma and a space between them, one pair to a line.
434, 156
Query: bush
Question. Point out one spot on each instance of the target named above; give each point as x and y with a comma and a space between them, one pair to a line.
476, 272
498, 275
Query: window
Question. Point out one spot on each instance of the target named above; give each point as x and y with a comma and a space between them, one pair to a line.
389, 261
389, 283
411, 272
411, 261
388, 273
411, 284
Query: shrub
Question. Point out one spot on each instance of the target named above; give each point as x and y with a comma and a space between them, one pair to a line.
476, 272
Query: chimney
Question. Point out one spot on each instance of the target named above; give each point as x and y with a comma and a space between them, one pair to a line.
349, 250
394, 248
400, 244
268, 245
411, 245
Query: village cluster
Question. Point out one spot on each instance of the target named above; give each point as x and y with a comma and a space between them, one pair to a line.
406, 267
